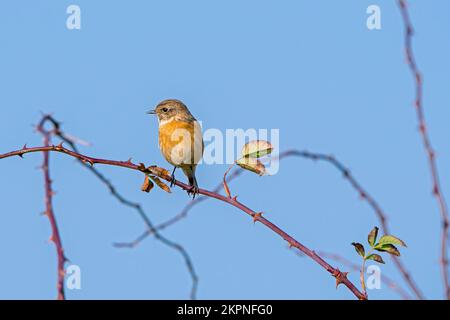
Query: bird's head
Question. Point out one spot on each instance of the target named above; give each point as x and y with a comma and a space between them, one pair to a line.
172, 109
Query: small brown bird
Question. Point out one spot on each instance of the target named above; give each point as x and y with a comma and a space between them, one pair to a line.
180, 139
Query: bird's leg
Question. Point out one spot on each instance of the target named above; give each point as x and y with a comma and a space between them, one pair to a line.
172, 180
194, 188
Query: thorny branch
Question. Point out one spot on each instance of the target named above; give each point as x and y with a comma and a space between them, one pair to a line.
341, 277
182, 214
437, 190
55, 237
355, 267
382, 217
149, 224
153, 230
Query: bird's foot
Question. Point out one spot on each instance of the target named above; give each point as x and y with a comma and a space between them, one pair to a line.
172, 181
193, 190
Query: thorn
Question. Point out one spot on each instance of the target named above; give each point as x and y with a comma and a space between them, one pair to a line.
418, 78
417, 104
422, 128
129, 160
20, 155
340, 277
60, 146
432, 154
410, 31
24, 147
234, 198
435, 190
256, 216
87, 161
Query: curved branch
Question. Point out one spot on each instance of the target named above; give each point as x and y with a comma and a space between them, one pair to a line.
119, 197
381, 215
341, 277
181, 215
382, 218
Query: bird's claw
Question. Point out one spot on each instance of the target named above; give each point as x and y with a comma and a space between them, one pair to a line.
172, 181
193, 190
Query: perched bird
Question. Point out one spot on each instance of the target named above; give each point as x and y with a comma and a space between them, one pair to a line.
180, 139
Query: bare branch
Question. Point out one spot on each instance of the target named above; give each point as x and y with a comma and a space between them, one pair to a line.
55, 237
355, 267
341, 277
437, 190
381, 215
181, 215
119, 197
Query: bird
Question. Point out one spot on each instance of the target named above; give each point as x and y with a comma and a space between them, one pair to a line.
180, 139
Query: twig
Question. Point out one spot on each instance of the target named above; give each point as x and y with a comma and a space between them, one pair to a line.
311, 156
355, 267
225, 185
341, 277
149, 224
181, 215
55, 237
370, 200
437, 190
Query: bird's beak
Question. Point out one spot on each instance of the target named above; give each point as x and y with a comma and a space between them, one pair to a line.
151, 112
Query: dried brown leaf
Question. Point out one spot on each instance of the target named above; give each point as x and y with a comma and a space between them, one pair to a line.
161, 184
147, 186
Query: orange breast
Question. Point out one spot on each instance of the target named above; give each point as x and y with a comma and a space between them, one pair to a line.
181, 142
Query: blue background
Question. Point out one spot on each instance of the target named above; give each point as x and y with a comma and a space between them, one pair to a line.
309, 68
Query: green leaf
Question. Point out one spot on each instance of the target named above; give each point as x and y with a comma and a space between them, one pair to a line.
375, 257
372, 237
252, 164
359, 248
256, 149
389, 248
388, 239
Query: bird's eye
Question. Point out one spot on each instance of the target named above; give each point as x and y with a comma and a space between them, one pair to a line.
165, 109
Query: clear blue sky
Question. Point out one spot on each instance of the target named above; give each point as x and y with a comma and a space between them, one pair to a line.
308, 68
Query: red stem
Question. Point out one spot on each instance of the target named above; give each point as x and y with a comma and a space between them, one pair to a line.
437, 190
341, 277
381, 215
55, 237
